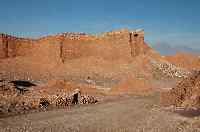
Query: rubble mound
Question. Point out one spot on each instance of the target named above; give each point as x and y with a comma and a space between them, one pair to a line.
166, 69
53, 94
186, 93
131, 85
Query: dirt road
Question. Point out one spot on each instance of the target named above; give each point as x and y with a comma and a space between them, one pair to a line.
128, 114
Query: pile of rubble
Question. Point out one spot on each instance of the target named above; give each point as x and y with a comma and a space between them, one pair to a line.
66, 35
166, 69
186, 93
61, 95
15, 104
60, 101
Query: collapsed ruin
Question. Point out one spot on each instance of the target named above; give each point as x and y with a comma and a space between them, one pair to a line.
185, 94
66, 54
57, 94
11, 46
108, 59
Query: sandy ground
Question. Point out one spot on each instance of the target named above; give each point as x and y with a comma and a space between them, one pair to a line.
125, 114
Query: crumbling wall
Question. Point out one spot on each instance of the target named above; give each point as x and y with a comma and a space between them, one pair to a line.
4, 46
186, 93
24, 47
62, 46
46, 50
120, 44
136, 42
114, 45
11, 46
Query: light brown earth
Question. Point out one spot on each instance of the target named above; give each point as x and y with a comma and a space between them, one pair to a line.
184, 60
126, 114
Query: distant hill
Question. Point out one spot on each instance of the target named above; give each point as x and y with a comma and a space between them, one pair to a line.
184, 60
166, 49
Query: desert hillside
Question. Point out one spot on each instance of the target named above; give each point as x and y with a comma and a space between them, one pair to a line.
184, 60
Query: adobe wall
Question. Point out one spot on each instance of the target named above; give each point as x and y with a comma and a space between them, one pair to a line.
59, 47
46, 50
115, 45
11, 46
2, 47
120, 44
136, 42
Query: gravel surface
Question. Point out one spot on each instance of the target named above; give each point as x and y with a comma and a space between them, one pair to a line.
124, 114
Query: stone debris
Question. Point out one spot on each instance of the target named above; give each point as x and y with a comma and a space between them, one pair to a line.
186, 93
13, 102
67, 35
169, 70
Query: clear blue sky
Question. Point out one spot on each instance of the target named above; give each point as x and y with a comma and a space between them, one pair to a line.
170, 21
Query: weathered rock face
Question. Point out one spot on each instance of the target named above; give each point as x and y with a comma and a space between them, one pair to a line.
11, 46
120, 44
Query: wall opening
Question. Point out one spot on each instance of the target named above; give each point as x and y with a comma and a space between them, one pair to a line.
75, 99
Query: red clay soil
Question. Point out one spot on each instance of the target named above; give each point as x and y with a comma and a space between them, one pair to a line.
186, 93
184, 60
132, 85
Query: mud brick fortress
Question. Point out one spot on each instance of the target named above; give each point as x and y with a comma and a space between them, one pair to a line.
113, 45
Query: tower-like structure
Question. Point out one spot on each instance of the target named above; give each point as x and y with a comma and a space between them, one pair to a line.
4, 46
136, 40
